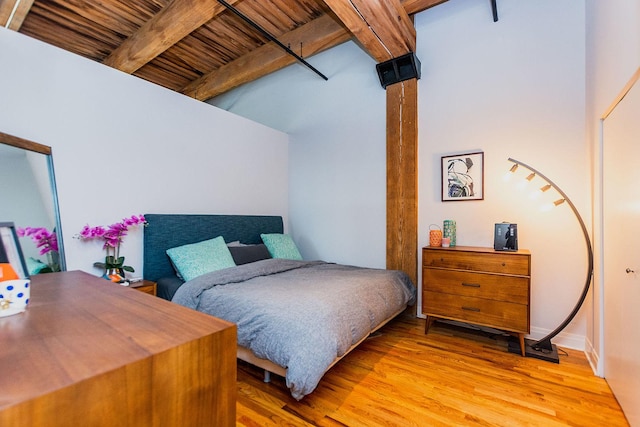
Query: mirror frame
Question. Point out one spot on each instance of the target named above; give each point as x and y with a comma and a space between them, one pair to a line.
25, 144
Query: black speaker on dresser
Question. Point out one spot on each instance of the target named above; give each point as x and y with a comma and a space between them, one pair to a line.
398, 69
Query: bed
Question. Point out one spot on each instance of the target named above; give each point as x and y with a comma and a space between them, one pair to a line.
295, 318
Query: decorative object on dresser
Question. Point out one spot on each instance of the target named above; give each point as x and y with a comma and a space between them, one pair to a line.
435, 235
505, 237
113, 235
88, 352
14, 277
543, 348
449, 231
478, 285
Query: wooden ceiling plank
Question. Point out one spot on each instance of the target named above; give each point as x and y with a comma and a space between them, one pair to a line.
316, 36
278, 21
166, 74
177, 20
7, 9
191, 53
296, 11
261, 17
118, 17
222, 32
73, 33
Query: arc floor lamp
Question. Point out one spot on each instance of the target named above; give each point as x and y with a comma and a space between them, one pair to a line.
543, 348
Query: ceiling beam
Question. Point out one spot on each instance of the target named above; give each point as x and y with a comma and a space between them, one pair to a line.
177, 20
382, 27
174, 22
318, 35
162, 32
7, 9
415, 6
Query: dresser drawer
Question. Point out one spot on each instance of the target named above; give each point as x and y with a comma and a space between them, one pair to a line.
496, 314
489, 261
480, 285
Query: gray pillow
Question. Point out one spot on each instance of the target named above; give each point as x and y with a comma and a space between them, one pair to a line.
249, 253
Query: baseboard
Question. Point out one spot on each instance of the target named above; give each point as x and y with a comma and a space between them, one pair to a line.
593, 358
563, 339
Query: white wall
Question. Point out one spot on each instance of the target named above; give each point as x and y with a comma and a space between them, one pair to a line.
514, 88
123, 146
337, 130
613, 55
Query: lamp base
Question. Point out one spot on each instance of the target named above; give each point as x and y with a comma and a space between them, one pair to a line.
549, 354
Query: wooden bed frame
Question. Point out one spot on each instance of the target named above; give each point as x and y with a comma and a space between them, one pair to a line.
165, 231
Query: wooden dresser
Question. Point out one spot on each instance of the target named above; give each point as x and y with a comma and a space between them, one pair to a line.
90, 352
477, 285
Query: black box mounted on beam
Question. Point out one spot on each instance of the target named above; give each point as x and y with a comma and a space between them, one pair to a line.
398, 69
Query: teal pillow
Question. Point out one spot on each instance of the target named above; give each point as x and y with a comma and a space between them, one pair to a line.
281, 246
35, 266
196, 259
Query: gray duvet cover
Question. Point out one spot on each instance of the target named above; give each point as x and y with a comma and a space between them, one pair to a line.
300, 315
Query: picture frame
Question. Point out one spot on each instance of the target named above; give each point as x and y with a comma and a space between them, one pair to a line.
462, 177
11, 256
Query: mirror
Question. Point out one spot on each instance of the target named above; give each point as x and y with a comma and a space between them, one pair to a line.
28, 198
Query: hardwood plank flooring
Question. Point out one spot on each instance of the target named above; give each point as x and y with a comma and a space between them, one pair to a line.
450, 377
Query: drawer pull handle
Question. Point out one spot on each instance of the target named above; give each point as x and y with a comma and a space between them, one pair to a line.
471, 309
471, 285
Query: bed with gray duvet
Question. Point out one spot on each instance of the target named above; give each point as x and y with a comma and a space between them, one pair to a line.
298, 318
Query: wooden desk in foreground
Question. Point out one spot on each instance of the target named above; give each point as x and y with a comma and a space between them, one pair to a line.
88, 352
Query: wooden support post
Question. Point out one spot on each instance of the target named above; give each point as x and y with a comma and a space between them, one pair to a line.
402, 177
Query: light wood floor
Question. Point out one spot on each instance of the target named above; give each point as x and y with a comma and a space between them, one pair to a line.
450, 377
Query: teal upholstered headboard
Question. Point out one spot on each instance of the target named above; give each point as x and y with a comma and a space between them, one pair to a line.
165, 231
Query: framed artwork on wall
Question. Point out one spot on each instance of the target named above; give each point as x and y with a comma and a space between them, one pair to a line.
462, 177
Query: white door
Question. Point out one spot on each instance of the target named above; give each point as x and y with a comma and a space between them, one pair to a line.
621, 198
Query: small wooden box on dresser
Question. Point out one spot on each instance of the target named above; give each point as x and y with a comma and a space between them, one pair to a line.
477, 285
146, 286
